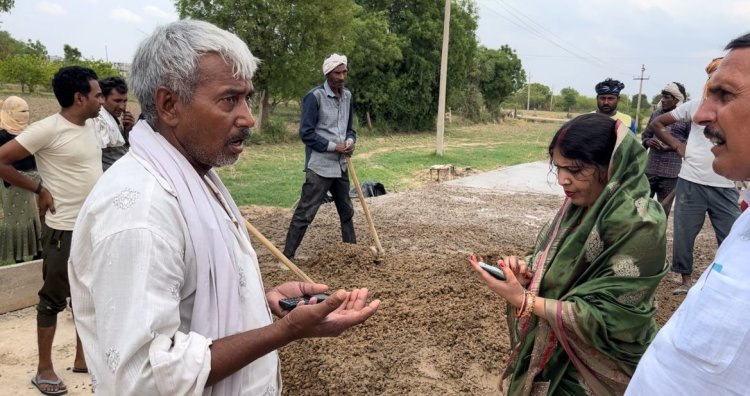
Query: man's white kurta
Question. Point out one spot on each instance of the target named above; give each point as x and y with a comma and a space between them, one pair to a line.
133, 279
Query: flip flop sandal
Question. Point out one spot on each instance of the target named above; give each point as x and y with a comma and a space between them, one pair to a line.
80, 370
37, 382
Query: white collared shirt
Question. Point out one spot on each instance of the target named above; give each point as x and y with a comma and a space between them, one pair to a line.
704, 349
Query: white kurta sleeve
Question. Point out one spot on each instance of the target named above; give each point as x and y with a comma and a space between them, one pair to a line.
137, 289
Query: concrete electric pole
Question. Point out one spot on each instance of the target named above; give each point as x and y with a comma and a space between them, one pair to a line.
640, 90
528, 93
443, 80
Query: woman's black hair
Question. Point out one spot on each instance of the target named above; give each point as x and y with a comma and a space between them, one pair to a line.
587, 140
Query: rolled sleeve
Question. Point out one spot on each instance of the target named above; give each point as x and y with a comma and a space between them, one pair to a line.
181, 364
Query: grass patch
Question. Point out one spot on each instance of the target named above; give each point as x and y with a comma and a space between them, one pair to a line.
271, 174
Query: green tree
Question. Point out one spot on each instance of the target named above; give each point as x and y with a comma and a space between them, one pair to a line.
539, 97
376, 50
569, 97
35, 48
501, 73
26, 70
634, 101
6, 5
624, 103
413, 92
71, 54
291, 37
463, 46
9, 45
100, 67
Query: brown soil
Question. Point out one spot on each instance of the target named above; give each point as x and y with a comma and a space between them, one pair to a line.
439, 331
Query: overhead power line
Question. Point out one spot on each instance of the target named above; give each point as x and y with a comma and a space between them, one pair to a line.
528, 24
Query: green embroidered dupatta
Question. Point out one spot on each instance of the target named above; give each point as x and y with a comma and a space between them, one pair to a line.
600, 268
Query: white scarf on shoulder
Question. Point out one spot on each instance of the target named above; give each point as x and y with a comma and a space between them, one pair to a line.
217, 297
108, 133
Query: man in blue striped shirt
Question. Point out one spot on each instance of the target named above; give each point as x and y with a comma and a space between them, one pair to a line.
326, 130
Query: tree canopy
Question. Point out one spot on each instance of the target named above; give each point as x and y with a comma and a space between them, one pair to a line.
28, 64
6, 5
393, 48
501, 74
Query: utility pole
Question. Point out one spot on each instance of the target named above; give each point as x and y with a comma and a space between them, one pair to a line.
528, 93
551, 97
640, 90
443, 80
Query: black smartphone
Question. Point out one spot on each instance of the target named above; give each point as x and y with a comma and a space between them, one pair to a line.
289, 304
497, 273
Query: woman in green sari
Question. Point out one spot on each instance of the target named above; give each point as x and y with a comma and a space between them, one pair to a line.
581, 312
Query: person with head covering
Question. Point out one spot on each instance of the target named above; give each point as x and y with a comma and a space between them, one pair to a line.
20, 238
166, 285
581, 307
704, 348
699, 189
326, 130
664, 162
607, 98
69, 162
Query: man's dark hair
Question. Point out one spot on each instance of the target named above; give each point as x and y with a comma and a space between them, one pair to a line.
70, 80
110, 83
740, 42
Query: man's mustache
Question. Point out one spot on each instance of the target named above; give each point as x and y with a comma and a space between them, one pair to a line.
242, 135
713, 134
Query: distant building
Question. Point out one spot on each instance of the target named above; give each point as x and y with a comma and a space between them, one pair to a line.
123, 68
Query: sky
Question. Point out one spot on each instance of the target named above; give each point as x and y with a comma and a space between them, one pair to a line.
570, 43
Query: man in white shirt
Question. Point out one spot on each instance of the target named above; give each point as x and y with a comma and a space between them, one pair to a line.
699, 189
69, 163
704, 349
114, 122
169, 297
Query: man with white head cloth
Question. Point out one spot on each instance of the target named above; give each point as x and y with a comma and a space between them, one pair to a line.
168, 292
664, 163
326, 130
699, 190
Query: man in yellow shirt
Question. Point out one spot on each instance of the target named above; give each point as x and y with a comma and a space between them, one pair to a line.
607, 98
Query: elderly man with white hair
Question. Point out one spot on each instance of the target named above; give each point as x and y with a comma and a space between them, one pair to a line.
168, 293
326, 130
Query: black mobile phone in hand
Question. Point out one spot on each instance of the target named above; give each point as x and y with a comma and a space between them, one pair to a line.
496, 273
289, 304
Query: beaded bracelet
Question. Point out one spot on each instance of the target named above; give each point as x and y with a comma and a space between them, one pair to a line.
38, 188
527, 307
530, 306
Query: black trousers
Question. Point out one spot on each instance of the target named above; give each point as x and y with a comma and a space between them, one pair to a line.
661, 187
313, 192
56, 288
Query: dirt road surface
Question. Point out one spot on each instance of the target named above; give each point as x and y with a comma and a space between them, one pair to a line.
439, 331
